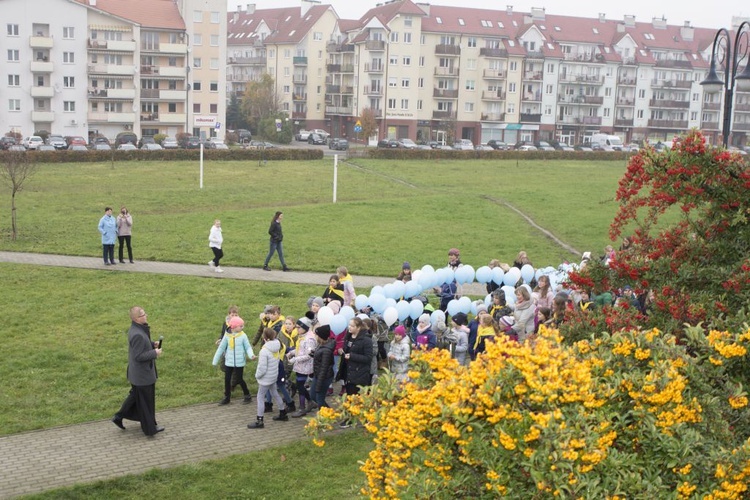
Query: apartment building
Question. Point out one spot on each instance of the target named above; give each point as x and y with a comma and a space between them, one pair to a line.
99, 67
429, 72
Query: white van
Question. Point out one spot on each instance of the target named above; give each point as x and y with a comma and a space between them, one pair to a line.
607, 142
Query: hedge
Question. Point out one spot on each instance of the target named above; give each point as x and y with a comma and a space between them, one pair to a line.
275, 154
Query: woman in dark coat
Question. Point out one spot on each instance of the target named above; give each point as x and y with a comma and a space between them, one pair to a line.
357, 357
275, 244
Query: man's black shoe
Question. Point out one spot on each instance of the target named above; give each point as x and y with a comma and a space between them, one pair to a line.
159, 428
118, 422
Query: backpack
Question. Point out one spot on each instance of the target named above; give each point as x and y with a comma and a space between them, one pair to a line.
422, 341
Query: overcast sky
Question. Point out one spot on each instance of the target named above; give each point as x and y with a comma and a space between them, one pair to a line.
706, 14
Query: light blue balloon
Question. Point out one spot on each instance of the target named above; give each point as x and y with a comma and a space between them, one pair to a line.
437, 315
388, 291
377, 302
484, 274
399, 289
428, 269
426, 279
347, 312
415, 308
403, 310
377, 290
412, 289
361, 302
338, 324
539, 273
497, 275
510, 294
527, 273
389, 302
460, 275
450, 275
469, 274
464, 305
454, 307
512, 277
488, 301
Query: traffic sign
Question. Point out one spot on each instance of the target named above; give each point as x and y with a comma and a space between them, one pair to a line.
357, 129
358, 124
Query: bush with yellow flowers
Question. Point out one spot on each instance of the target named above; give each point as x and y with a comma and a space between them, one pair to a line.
632, 414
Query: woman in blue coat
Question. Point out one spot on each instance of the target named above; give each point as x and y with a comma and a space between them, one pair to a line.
108, 228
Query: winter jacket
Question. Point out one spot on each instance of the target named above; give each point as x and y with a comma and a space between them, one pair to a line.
323, 365
275, 231
215, 239
360, 353
108, 228
124, 225
400, 361
301, 360
268, 366
334, 293
545, 301
524, 316
267, 323
484, 333
235, 347
431, 338
349, 293
461, 350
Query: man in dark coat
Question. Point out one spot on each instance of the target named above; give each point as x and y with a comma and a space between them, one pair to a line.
140, 405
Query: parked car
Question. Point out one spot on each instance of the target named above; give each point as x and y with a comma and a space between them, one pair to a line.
146, 139
127, 147
151, 146
520, 144
100, 146
46, 147
191, 142
425, 147
315, 138
77, 147
433, 144
543, 146
7, 141
244, 136
631, 148
561, 146
388, 143
320, 132
56, 141
75, 140
499, 145
101, 140
169, 143
16, 147
218, 144
407, 144
302, 135
582, 147
526, 147
484, 147
464, 145
340, 145
32, 142
125, 137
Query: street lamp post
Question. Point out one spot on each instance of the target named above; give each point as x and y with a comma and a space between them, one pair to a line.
730, 56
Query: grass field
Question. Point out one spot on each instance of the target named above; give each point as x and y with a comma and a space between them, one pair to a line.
387, 211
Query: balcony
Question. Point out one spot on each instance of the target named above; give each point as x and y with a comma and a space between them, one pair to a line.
531, 117
741, 126
114, 45
340, 47
250, 61
42, 116
447, 49
172, 118
42, 92
623, 122
373, 67
582, 79
445, 93
333, 89
373, 90
452, 72
591, 120
668, 103
627, 81
493, 95
112, 117
534, 54
299, 61
40, 42
150, 117
299, 79
299, 115
338, 110
493, 52
710, 126
493, 117
375, 45
671, 63
532, 96
95, 92
742, 107
112, 69
625, 102
299, 97
532, 75
494, 74
670, 124
41, 67
175, 71
715, 106
443, 115
671, 84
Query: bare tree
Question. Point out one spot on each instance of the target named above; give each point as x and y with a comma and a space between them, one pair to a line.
369, 124
17, 168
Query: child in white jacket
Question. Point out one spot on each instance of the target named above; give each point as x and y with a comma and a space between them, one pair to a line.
461, 334
266, 374
399, 354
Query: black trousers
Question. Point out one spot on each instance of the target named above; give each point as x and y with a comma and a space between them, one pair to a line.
108, 252
237, 371
140, 405
125, 240
218, 254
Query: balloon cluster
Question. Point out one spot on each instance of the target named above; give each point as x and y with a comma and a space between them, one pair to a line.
396, 301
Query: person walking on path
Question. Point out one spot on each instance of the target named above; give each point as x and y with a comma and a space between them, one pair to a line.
140, 405
124, 231
266, 374
215, 239
235, 349
108, 229
275, 243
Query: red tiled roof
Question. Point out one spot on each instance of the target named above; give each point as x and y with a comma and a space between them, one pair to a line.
147, 13
386, 12
286, 24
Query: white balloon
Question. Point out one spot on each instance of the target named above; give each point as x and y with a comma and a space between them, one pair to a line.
361, 302
428, 269
377, 290
325, 315
415, 275
390, 303
497, 275
510, 294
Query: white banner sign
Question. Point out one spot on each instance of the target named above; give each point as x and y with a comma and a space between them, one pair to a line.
204, 121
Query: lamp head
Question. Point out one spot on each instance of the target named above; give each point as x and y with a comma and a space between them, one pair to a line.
742, 81
712, 84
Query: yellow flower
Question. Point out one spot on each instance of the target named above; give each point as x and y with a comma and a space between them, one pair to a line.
738, 402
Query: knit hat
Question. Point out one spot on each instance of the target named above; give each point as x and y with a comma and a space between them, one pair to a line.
267, 309
399, 330
481, 307
425, 318
236, 322
304, 323
323, 331
459, 319
454, 251
406, 265
506, 322
319, 301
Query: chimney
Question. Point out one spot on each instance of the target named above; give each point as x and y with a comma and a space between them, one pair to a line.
602, 17
250, 9
629, 21
236, 16
92, 3
425, 8
509, 10
659, 23
687, 32
537, 13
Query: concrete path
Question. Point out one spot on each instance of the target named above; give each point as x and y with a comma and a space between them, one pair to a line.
31, 462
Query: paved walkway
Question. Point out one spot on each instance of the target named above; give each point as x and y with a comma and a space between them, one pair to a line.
31, 462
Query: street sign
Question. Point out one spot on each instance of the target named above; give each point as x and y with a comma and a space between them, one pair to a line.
358, 128
217, 126
358, 124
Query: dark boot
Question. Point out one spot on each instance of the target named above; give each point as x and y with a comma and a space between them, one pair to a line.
258, 424
290, 406
269, 408
248, 399
224, 401
282, 416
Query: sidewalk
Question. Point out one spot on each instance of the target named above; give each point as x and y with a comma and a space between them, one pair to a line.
31, 462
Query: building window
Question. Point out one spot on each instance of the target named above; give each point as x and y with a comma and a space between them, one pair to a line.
606, 112
642, 94
14, 104
548, 110
548, 89
197, 16
213, 108
318, 35
469, 107
513, 66
512, 87
422, 40
419, 104
213, 86
197, 85
640, 113
113, 107
471, 42
197, 39
608, 92
69, 57
407, 37
470, 84
197, 62
14, 80
12, 30
12, 54
421, 61
406, 61
69, 82
196, 107
68, 32
215, 17
172, 61
550, 68
420, 83
408, 21
696, 96
94, 106
214, 40
172, 107
287, 53
392, 81
214, 63
69, 106
404, 103
471, 64
392, 103
393, 60
405, 82
287, 89
511, 109
394, 36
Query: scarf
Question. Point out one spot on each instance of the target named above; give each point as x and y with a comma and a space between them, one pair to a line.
335, 291
232, 336
483, 331
348, 277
